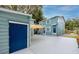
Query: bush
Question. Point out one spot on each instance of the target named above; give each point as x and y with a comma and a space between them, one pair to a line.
68, 31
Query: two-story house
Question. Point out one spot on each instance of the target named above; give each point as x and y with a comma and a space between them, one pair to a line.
54, 26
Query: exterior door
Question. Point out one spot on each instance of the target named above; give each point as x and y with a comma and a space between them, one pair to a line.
54, 28
17, 37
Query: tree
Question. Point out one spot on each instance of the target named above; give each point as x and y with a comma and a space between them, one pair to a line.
35, 10
72, 24
12, 7
37, 14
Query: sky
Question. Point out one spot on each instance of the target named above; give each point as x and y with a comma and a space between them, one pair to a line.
67, 11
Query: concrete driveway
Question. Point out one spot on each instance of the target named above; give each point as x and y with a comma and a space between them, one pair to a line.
51, 45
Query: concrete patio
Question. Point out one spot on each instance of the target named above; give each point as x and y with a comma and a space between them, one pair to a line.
51, 45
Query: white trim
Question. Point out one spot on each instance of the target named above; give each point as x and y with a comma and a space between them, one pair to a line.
17, 22
28, 36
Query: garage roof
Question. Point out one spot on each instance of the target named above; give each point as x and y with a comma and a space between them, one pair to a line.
15, 12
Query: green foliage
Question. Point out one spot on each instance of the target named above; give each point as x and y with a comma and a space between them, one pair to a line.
72, 24
12, 7
38, 15
35, 10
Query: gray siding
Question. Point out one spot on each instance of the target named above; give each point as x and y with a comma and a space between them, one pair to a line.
4, 45
15, 17
61, 26
5, 17
50, 23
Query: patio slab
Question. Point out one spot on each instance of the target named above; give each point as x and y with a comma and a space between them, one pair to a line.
51, 45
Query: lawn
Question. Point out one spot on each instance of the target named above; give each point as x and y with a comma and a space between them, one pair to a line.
70, 36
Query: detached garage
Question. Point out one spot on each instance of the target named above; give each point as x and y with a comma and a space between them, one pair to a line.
14, 31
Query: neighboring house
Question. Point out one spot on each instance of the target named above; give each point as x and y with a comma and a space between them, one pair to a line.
43, 24
35, 28
54, 26
14, 31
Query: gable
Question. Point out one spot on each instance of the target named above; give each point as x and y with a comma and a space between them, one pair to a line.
61, 20
52, 20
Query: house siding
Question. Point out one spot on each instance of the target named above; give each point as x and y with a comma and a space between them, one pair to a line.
61, 26
5, 17
4, 45
49, 25
57, 21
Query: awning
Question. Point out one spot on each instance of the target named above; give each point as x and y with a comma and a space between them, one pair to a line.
36, 27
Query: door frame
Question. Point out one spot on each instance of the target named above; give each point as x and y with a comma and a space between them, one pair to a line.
53, 28
28, 30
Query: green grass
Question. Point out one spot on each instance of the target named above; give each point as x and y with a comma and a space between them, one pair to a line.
70, 36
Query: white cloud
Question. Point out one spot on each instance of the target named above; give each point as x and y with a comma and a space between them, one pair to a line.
67, 8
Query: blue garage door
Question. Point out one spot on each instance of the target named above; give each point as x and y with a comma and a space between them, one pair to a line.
17, 37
